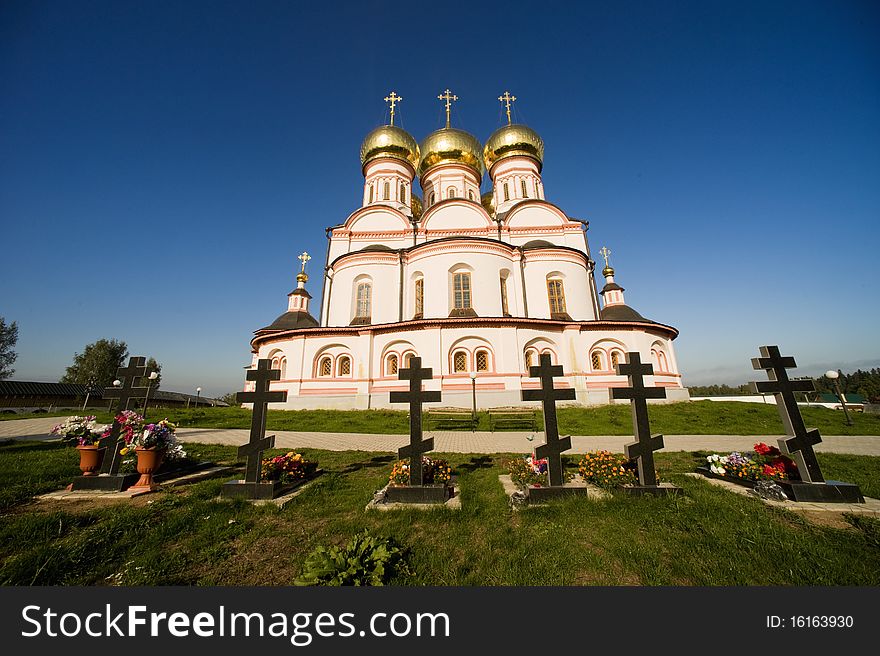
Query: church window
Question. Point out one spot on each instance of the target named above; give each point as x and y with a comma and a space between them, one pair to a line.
433, 197
402, 193
482, 359
470, 194
343, 365
391, 365
386, 191
364, 300
506, 192
451, 193
283, 367
504, 309
530, 359
664, 366
461, 291
524, 190
556, 296
407, 359
615, 358
326, 367
459, 362
596, 360
420, 297
371, 194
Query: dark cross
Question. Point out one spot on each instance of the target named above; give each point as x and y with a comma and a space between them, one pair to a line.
415, 374
260, 397
800, 441
643, 450
136, 370
553, 446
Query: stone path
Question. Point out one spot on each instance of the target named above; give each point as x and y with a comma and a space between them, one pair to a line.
462, 441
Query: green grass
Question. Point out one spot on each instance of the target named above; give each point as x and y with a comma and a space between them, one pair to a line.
693, 418
186, 536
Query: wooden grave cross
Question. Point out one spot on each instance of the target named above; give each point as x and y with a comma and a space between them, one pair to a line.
800, 441
642, 450
554, 446
136, 370
260, 397
415, 374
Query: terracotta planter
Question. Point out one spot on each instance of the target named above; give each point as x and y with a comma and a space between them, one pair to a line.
90, 458
148, 462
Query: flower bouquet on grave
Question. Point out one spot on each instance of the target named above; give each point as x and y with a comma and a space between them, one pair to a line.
84, 433
153, 444
530, 471
608, 470
435, 471
765, 463
288, 468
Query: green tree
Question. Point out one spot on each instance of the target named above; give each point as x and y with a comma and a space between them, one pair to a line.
152, 365
229, 398
98, 361
8, 338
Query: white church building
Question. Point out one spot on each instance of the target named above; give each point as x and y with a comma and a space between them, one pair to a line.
477, 286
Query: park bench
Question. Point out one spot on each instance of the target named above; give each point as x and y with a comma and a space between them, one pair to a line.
449, 419
513, 418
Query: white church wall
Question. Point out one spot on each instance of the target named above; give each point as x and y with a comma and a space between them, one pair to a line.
539, 267
456, 216
382, 272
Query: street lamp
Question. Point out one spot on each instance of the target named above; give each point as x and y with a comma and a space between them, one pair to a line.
153, 376
833, 376
474, 392
117, 384
198, 394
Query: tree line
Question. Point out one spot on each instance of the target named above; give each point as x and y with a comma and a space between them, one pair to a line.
866, 383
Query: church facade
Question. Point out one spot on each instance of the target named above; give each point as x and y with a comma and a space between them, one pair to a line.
476, 285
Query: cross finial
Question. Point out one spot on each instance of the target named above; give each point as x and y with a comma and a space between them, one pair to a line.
507, 99
605, 252
448, 96
304, 258
393, 99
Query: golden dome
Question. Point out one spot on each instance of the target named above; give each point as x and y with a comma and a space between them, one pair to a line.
607, 271
390, 141
487, 200
513, 140
416, 207
451, 146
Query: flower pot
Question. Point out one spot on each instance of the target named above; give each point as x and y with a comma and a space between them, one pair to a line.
90, 457
148, 462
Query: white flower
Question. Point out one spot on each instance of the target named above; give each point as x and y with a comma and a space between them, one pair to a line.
716, 469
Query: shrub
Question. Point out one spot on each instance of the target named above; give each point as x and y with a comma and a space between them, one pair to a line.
434, 471
365, 560
607, 470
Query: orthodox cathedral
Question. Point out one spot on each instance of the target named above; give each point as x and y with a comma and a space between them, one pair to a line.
477, 285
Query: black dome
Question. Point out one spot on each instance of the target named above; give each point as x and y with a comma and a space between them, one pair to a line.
538, 243
376, 247
292, 321
621, 313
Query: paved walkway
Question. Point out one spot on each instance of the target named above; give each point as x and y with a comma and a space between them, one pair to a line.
461, 441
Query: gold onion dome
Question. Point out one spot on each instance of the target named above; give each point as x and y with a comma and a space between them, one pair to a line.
416, 206
390, 141
513, 140
451, 146
607, 271
487, 200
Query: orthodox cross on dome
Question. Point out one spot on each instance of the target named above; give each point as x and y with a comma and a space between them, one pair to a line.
136, 370
642, 450
415, 374
553, 446
605, 252
304, 258
449, 97
800, 441
393, 99
260, 397
507, 99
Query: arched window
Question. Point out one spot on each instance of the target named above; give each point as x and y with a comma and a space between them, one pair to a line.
326, 367
525, 191
363, 300
470, 194
402, 192
283, 368
276, 363
386, 191
482, 360
407, 360
506, 192
596, 360
343, 366
504, 309
459, 362
451, 193
615, 358
432, 198
391, 363
420, 298
461, 291
664, 365
551, 354
371, 194
556, 295
530, 359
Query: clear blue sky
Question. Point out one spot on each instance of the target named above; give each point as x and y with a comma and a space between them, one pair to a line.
162, 163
